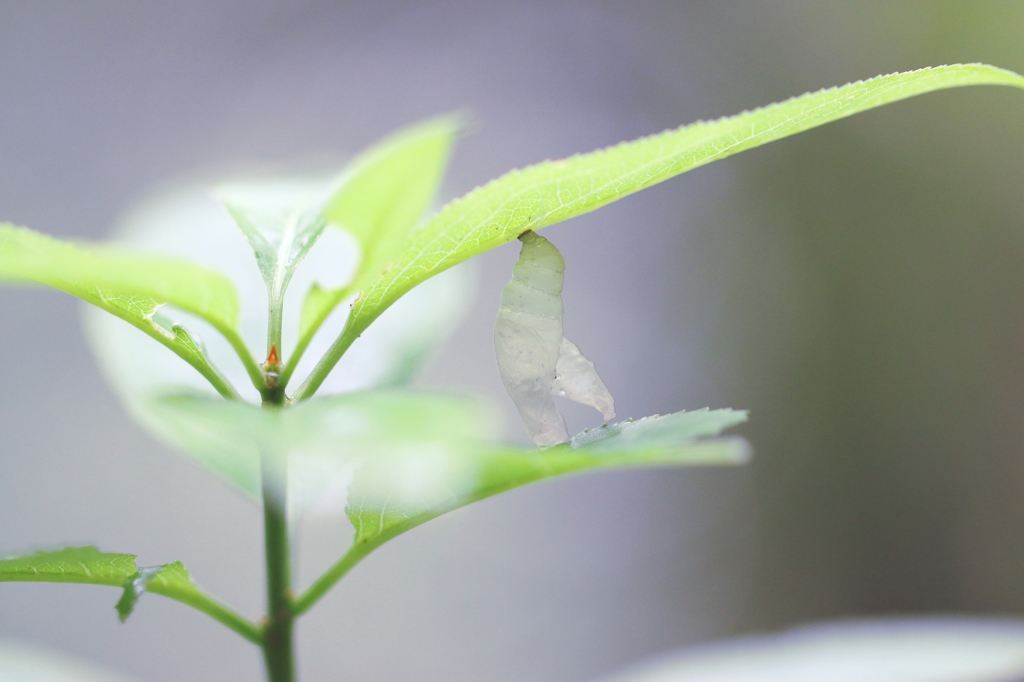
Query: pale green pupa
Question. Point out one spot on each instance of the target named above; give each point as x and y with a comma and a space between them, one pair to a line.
534, 358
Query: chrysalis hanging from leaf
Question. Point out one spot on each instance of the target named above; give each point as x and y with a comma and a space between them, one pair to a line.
534, 358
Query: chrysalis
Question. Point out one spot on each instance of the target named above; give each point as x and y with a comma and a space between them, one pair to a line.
534, 358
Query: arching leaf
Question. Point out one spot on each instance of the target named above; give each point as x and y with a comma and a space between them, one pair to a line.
553, 191
131, 286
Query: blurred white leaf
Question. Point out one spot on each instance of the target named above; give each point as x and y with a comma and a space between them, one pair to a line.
887, 650
327, 438
21, 662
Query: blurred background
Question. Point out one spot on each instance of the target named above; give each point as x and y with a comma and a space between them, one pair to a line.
857, 287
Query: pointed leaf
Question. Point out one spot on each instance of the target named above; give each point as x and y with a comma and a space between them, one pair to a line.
387, 496
553, 191
657, 433
131, 286
282, 220
386, 191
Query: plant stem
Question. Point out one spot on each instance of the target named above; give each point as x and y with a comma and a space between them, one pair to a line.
278, 630
216, 379
206, 604
272, 389
275, 310
360, 548
277, 641
335, 573
278, 651
327, 363
252, 368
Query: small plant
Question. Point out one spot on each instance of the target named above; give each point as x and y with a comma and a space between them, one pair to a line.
395, 457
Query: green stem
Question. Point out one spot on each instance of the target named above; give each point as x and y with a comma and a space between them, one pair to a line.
325, 582
275, 311
362, 546
273, 388
293, 361
306, 337
327, 363
277, 640
213, 375
216, 610
252, 368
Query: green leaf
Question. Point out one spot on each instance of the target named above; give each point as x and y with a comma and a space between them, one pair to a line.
89, 566
553, 191
386, 192
385, 498
71, 565
131, 286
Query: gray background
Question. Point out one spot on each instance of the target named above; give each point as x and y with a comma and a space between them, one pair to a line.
858, 287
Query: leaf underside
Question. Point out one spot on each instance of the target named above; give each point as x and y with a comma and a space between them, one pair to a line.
391, 494
380, 507
89, 566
